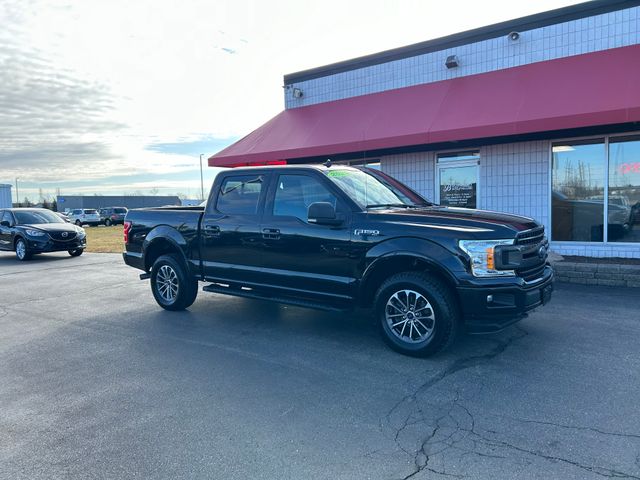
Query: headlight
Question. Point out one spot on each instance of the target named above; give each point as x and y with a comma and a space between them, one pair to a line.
35, 233
482, 255
80, 231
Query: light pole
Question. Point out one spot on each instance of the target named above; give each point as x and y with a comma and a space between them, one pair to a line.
201, 179
17, 193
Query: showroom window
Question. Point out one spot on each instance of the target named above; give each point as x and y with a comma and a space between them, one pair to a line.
584, 174
624, 189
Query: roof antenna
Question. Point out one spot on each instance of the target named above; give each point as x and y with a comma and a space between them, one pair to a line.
328, 163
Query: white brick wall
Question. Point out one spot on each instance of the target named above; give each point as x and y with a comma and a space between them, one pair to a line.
416, 170
514, 178
596, 33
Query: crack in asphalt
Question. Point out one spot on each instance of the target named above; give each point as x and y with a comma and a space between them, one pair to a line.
576, 427
457, 366
471, 433
424, 455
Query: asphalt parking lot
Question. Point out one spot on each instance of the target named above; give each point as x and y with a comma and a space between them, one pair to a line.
96, 381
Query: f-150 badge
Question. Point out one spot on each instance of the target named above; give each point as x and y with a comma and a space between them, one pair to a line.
361, 232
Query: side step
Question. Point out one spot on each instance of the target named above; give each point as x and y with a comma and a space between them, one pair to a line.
248, 293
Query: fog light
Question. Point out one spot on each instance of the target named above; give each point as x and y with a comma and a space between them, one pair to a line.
489, 298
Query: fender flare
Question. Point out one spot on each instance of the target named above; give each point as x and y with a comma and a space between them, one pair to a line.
435, 255
165, 233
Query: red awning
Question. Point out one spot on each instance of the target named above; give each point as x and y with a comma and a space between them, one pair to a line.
584, 90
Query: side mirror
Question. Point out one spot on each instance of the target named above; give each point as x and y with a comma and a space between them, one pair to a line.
5, 223
323, 213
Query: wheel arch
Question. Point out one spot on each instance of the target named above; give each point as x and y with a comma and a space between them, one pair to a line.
164, 240
407, 255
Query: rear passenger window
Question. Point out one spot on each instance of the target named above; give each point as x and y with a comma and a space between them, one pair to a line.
240, 195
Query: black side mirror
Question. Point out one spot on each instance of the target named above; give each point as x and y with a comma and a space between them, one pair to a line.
5, 223
323, 213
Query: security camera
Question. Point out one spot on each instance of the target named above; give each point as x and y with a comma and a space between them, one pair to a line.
513, 36
297, 93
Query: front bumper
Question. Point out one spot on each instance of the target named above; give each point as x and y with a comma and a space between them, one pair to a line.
488, 309
50, 245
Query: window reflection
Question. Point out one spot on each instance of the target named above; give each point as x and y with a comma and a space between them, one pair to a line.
624, 189
578, 191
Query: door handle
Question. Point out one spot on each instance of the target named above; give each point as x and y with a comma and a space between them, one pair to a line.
271, 233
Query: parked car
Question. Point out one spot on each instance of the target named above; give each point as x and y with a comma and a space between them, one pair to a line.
113, 215
86, 216
336, 238
27, 231
63, 216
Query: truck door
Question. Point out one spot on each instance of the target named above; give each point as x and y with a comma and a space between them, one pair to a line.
302, 258
230, 228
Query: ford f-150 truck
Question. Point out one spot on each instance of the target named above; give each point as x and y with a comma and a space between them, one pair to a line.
337, 238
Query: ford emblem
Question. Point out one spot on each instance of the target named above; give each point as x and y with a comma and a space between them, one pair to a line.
542, 252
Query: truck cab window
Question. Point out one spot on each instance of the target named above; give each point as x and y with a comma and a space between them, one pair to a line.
240, 195
294, 194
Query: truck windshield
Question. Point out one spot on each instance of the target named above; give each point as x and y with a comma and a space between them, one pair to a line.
373, 189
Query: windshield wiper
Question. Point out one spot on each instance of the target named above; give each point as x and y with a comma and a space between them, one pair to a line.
399, 205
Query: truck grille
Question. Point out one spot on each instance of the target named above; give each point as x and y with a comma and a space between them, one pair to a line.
532, 265
530, 237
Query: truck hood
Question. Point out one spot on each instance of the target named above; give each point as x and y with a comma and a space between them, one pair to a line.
483, 223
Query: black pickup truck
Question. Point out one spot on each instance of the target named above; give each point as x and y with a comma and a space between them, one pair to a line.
336, 238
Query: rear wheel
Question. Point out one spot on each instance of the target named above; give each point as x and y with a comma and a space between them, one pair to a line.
78, 223
417, 314
108, 222
76, 253
22, 252
171, 284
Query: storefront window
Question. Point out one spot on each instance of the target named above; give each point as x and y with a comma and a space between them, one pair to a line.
624, 189
458, 179
578, 191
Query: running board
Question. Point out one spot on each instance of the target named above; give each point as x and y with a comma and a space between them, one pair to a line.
248, 293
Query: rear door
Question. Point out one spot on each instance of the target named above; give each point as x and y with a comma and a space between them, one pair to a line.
300, 257
230, 228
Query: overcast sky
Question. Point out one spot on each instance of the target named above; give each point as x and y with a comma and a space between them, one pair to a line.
122, 96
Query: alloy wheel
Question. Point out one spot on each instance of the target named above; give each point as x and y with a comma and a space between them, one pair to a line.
410, 316
167, 283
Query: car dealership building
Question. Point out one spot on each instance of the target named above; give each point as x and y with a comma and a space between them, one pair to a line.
538, 116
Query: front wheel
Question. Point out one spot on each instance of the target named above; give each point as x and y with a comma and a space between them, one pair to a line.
78, 223
76, 253
108, 222
171, 284
417, 314
22, 252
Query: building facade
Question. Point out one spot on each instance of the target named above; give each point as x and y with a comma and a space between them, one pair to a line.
539, 116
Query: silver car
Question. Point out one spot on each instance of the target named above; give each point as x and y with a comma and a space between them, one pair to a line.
84, 216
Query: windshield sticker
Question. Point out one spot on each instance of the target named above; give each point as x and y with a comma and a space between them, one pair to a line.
338, 173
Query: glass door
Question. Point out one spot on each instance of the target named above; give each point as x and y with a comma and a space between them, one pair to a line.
457, 179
